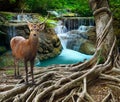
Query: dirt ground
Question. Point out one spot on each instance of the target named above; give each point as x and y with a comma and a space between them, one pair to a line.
7, 75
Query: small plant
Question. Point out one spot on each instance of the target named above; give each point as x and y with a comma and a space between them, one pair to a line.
101, 60
9, 72
6, 60
49, 23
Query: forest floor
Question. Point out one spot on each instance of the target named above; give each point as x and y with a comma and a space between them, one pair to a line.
7, 75
98, 90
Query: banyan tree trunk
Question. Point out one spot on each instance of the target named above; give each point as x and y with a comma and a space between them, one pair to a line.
96, 80
104, 29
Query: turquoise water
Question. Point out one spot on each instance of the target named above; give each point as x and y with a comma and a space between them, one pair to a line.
67, 56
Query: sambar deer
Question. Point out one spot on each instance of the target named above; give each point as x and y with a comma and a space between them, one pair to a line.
26, 49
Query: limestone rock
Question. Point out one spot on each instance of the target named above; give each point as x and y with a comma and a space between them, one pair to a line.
91, 33
49, 45
87, 48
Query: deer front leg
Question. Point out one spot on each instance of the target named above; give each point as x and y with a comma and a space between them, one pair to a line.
18, 74
32, 65
26, 70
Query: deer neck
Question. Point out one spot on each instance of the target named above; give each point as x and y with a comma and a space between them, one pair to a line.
33, 41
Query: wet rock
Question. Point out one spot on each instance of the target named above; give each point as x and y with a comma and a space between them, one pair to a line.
75, 39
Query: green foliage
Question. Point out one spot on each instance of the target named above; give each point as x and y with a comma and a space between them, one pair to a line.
101, 60
2, 49
76, 6
10, 72
6, 60
12, 1
80, 7
50, 23
115, 8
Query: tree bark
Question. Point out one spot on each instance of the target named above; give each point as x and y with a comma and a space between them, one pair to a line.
103, 20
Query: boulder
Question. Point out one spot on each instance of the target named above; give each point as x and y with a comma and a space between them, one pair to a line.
87, 48
49, 45
91, 33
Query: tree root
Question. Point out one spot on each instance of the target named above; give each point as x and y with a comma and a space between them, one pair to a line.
70, 83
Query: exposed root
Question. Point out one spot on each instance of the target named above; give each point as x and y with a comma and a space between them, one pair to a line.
70, 83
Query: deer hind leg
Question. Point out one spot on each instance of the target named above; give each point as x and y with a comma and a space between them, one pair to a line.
15, 65
26, 70
16, 72
32, 65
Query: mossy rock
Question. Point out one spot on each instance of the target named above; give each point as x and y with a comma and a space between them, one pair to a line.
87, 48
2, 49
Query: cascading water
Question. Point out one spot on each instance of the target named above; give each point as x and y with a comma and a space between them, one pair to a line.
61, 30
11, 31
22, 17
71, 31
18, 20
73, 23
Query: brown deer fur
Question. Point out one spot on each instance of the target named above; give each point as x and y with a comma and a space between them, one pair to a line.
26, 49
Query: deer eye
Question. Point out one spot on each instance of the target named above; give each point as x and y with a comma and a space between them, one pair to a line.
31, 29
37, 29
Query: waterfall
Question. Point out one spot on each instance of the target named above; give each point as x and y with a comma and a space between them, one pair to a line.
17, 21
11, 31
73, 23
71, 31
83, 28
61, 30
71, 38
22, 17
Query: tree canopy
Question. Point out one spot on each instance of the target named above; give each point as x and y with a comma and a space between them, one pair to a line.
80, 7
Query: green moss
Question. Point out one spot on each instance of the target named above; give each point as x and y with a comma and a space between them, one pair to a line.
101, 57
7, 15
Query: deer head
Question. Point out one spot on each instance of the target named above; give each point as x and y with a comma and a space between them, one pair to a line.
37, 26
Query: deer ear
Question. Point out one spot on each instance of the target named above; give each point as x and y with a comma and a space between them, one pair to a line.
41, 26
